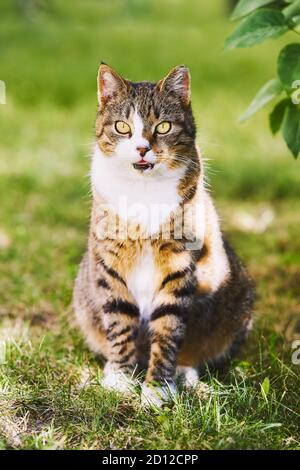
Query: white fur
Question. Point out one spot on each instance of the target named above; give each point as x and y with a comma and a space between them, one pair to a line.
116, 380
141, 282
188, 375
157, 396
216, 270
133, 196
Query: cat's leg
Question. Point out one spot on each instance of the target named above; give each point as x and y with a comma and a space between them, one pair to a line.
167, 327
121, 320
109, 320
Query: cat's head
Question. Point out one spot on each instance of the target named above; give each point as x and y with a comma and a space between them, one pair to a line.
146, 128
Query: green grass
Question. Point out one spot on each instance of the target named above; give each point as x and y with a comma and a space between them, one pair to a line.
50, 393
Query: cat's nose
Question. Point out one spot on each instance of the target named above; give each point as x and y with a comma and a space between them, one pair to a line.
143, 150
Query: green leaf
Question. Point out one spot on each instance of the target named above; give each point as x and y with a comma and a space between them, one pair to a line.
291, 128
276, 116
244, 7
288, 65
256, 28
265, 387
269, 91
292, 10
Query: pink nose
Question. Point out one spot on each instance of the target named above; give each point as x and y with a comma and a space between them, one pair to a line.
143, 150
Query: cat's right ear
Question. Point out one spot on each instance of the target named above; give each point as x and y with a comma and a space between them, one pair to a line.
109, 83
178, 81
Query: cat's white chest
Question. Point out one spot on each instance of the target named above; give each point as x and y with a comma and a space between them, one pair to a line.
145, 200
141, 282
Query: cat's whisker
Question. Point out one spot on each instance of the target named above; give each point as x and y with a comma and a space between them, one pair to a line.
180, 159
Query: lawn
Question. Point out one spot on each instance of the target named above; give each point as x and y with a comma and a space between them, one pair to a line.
50, 392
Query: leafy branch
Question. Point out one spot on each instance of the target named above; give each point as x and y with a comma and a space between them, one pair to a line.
268, 19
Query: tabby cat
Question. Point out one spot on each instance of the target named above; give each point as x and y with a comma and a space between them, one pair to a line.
150, 294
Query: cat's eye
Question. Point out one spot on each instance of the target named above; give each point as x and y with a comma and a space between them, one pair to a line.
122, 127
163, 127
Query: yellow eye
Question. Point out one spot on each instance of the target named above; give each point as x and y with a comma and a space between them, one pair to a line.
163, 128
122, 127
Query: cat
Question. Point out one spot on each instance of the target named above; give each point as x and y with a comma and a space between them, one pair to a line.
147, 295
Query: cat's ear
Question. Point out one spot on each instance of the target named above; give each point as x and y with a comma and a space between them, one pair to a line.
110, 83
178, 80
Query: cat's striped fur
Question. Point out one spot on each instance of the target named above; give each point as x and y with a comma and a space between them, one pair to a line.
149, 300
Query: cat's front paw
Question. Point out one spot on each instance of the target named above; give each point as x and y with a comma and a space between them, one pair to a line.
157, 395
187, 376
115, 379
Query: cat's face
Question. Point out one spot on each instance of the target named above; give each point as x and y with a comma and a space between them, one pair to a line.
146, 128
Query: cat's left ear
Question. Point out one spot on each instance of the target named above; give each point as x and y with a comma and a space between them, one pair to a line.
178, 80
110, 84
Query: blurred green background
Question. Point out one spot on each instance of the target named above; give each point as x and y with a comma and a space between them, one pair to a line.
50, 51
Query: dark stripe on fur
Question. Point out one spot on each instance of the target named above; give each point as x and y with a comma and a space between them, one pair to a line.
168, 309
121, 306
123, 349
172, 247
111, 326
114, 335
175, 275
112, 272
186, 290
163, 372
126, 358
171, 343
102, 283
168, 350
129, 338
112, 252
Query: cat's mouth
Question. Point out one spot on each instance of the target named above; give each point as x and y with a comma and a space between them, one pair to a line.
142, 165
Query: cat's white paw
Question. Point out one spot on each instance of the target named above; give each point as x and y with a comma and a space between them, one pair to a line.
157, 396
188, 376
114, 379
